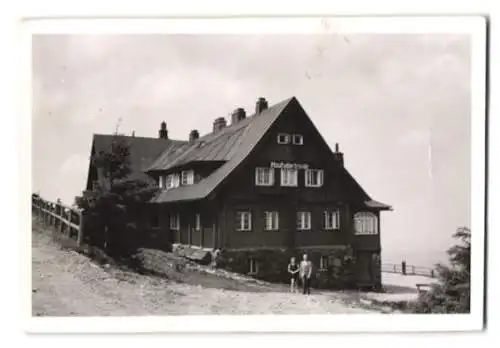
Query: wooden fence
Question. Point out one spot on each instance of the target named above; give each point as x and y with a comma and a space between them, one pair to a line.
67, 220
405, 269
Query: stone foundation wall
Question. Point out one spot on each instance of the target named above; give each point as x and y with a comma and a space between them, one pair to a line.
339, 273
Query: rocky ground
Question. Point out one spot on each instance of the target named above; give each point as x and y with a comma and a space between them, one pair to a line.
67, 283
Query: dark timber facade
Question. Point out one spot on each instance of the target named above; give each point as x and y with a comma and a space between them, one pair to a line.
260, 190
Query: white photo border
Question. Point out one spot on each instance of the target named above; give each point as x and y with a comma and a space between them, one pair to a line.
473, 25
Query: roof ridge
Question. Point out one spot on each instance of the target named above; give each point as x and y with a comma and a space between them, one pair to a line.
139, 137
236, 154
247, 120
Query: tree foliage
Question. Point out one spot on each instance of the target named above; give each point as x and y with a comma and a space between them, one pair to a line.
452, 293
116, 198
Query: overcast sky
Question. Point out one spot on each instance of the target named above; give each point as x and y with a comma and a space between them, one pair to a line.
398, 105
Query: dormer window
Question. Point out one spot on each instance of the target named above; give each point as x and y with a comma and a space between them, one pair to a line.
169, 181
176, 180
283, 138
187, 177
297, 139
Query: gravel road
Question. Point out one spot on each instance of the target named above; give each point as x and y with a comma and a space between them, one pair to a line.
65, 283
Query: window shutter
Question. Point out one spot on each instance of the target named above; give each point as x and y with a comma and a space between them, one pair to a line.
238, 220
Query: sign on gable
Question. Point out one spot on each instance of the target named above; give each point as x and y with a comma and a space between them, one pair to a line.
285, 165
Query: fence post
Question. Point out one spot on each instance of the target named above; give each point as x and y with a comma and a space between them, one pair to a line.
403, 267
413, 270
395, 271
80, 229
432, 273
61, 216
45, 212
51, 217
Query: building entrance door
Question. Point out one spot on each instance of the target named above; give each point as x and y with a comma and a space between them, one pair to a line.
364, 268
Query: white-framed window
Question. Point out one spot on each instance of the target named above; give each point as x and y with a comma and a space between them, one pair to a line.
176, 180
243, 221
365, 223
314, 177
297, 139
253, 266
169, 181
283, 138
175, 222
264, 176
172, 180
187, 177
197, 222
271, 220
289, 176
303, 220
332, 220
323, 262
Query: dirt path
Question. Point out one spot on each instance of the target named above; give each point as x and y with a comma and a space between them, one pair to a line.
67, 283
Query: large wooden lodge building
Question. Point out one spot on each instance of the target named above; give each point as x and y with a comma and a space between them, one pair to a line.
259, 190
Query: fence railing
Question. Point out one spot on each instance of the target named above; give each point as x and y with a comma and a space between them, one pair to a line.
65, 219
404, 269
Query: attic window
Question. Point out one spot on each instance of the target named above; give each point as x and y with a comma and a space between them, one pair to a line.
171, 181
283, 138
297, 139
187, 177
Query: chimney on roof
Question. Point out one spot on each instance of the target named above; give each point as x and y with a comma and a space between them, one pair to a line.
238, 115
193, 135
219, 124
261, 105
163, 132
339, 156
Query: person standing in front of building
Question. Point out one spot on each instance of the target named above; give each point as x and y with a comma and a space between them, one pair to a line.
305, 274
293, 269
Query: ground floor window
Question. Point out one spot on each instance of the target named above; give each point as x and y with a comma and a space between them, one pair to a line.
332, 220
323, 262
243, 221
175, 222
303, 220
197, 222
271, 220
253, 266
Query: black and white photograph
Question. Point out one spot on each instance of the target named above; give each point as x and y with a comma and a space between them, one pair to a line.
310, 167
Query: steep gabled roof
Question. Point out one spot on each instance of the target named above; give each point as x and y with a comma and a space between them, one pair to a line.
217, 146
232, 145
143, 150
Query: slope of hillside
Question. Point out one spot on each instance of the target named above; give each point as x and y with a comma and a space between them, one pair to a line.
66, 283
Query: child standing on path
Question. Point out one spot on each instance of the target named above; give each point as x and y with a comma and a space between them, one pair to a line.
293, 269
